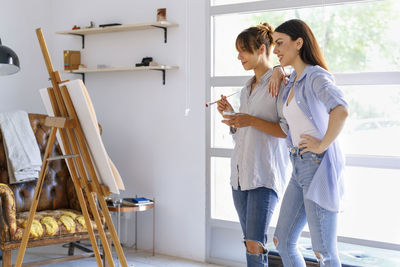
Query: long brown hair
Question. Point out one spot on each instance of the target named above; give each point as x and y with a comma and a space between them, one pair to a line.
310, 52
252, 38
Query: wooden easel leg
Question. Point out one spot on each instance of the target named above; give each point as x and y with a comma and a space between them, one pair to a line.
86, 216
38, 190
100, 230
74, 177
109, 241
111, 228
67, 134
6, 261
77, 184
96, 186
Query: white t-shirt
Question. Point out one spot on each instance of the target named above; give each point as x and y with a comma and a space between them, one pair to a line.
298, 122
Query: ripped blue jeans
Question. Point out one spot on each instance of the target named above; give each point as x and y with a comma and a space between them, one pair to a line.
296, 211
255, 208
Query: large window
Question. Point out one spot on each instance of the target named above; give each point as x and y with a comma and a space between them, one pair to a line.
362, 48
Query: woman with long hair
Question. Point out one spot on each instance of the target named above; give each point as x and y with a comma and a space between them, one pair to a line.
259, 157
315, 111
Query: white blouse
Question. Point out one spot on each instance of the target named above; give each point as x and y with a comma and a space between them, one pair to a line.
259, 159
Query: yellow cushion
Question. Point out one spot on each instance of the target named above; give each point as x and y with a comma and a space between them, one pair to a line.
36, 229
50, 224
68, 223
70, 214
81, 220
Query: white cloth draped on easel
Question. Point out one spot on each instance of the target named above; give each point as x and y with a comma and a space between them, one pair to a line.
22, 151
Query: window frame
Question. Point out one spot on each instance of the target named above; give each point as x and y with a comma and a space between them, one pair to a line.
342, 79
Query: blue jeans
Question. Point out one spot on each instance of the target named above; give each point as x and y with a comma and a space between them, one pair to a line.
296, 211
255, 208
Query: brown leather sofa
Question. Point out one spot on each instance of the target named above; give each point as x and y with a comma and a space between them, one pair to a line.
58, 217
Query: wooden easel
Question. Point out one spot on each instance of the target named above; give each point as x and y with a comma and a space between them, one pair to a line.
80, 166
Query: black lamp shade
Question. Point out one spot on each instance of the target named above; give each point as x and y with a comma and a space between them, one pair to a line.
9, 62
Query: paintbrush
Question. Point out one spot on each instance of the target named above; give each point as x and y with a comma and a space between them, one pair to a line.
212, 103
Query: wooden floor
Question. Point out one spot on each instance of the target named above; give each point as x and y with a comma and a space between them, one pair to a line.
134, 258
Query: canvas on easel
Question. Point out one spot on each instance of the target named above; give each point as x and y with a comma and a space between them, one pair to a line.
91, 170
105, 169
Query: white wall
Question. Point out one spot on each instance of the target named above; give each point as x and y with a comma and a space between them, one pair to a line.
19, 19
159, 152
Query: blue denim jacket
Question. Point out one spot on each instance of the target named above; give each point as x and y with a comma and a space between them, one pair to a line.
316, 94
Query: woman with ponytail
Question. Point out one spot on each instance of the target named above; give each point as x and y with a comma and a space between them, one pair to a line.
315, 111
260, 156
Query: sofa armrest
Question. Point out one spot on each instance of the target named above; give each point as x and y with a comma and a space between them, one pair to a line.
8, 222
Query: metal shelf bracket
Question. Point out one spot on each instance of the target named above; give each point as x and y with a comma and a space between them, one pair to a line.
165, 32
83, 38
163, 76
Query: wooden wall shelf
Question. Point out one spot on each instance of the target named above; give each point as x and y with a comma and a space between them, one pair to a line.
161, 68
120, 28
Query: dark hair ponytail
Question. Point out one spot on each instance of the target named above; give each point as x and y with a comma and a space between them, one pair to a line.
253, 37
310, 52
